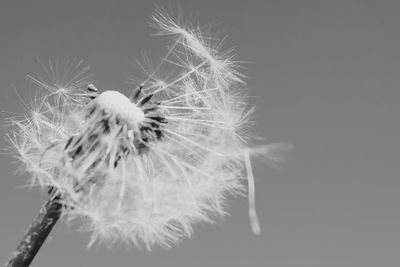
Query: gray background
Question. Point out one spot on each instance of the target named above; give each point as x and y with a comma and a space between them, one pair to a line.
326, 77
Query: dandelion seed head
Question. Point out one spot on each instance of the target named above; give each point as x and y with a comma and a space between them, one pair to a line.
144, 168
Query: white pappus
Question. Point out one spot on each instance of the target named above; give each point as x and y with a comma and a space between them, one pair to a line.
144, 168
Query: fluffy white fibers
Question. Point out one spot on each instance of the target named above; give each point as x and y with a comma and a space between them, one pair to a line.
143, 168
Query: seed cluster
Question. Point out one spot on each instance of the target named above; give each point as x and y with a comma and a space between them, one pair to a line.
115, 127
136, 170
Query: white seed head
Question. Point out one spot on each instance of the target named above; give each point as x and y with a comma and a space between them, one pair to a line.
145, 171
118, 104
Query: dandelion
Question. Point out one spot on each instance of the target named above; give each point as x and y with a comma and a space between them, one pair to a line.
146, 167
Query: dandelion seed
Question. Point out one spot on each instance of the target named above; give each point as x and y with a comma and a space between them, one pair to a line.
65, 83
144, 168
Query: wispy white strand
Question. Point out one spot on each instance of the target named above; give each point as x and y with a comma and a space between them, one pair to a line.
254, 222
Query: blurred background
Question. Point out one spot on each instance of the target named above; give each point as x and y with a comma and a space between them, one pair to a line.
325, 77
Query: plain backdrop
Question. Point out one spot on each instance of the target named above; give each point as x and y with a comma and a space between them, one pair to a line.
325, 76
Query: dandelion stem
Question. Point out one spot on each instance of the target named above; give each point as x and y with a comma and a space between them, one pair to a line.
37, 233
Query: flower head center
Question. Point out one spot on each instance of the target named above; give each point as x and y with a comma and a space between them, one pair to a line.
115, 103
